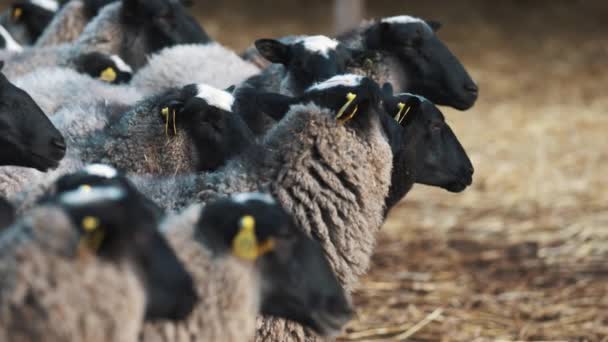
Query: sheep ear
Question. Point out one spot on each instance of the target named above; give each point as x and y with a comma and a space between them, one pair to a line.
387, 89
230, 89
435, 25
131, 7
273, 50
408, 110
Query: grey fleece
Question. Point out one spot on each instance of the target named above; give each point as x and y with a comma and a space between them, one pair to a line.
181, 65
66, 26
228, 289
49, 292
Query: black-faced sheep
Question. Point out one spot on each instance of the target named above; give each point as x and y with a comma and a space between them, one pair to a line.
28, 138
90, 265
300, 62
131, 29
247, 256
406, 52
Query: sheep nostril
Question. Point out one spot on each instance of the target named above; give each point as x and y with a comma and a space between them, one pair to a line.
59, 143
471, 88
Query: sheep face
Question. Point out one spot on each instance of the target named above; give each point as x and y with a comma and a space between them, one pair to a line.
426, 144
205, 113
297, 282
307, 59
28, 137
28, 19
111, 69
156, 24
116, 226
433, 70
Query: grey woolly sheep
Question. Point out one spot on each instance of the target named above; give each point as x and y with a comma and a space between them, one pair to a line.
88, 266
181, 65
67, 24
70, 21
113, 32
235, 286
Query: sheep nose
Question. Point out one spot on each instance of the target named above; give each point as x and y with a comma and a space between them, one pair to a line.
471, 88
59, 143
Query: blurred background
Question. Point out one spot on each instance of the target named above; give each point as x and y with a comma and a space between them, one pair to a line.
523, 253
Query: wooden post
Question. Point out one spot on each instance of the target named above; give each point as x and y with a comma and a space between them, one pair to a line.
347, 14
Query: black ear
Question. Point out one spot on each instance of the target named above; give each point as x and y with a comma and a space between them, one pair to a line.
435, 25
131, 8
411, 110
387, 89
273, 50
230, 89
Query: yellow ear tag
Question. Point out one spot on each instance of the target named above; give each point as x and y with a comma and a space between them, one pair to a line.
85, 188
165, 114
108, 75
17, 13
174, 124
245, 243
93, 236
350, 97
400, 115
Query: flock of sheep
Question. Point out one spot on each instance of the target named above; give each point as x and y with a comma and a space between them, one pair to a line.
156, 186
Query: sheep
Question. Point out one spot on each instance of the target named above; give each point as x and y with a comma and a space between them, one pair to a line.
26, 19
58, 87
181, 65
286, 275
89, 265
335, 178
28, 138
425, 149
300, 62
115, 31
70, 21
408, 46
7, 42
134, 139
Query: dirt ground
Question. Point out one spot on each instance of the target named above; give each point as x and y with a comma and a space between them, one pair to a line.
523, 254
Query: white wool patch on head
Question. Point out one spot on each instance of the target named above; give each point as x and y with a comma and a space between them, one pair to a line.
101, 170
319, 44
86, 195
243, 198
403, 19
346, 80
420, 97
49, 5
10, 43
215, 97
120, 64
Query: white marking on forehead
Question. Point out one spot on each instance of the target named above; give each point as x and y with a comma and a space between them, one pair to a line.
49, 5
10, 43
245, 197
90, 195
101, 170
320, 44
215, 97
347, 80
403, 19
421, 98
120, 64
